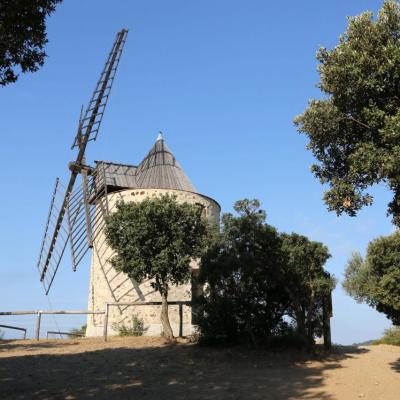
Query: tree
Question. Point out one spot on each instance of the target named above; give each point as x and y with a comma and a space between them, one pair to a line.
375, 280
308, 285
242, 300
156, 239
23, 36
354, 130
260, 284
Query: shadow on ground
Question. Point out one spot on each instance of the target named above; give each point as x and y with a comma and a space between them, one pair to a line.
171, 372
396, 365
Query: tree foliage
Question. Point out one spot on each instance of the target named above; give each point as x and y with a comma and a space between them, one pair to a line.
241, 296
260, 284
23, 36
306, 282
156, 239
376, 280
354, 130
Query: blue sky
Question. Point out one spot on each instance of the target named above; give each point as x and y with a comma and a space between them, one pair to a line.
223, 80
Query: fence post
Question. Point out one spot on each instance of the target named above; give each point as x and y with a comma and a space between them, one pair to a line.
38, 320
105, 322
180, 319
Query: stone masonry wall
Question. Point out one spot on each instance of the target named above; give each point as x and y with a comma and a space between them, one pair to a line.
107, 285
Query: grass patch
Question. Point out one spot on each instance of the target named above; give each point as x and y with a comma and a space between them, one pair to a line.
391, 336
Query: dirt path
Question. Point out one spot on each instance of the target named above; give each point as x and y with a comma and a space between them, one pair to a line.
148, 369
374, 374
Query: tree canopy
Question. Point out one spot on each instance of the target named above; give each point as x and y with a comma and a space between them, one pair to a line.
23, 36
156, 239
307, 283
260, 284
241, 297
375, 280
354, 130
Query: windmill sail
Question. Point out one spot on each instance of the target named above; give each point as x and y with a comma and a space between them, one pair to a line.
58, 230
95, 110
88, 206
62, 238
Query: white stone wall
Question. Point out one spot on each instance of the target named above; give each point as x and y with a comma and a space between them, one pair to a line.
107, 285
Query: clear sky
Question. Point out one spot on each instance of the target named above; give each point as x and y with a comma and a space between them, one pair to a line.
223, 80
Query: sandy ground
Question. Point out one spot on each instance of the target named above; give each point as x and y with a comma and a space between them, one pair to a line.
149, 369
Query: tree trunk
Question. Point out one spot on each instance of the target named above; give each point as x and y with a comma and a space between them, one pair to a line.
301, 327
251, 334
311, 316
327, 313
166, 326
300, 317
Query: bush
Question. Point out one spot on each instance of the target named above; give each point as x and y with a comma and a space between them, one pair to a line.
77, 332
391, 336
136, 328
290, 340
1, 335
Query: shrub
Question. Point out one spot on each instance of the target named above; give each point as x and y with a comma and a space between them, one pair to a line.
77, 332
1, 334
391, 336
136, 328
285, 340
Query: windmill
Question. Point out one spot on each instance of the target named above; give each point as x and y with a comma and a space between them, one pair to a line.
77, 216
73, 217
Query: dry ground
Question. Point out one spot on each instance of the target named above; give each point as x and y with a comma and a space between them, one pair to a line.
148, 369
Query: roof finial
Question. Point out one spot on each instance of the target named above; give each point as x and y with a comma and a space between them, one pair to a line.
160, 136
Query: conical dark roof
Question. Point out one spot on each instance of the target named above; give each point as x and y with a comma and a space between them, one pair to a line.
160, 170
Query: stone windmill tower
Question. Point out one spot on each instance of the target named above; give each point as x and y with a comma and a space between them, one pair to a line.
78, 210
158, 173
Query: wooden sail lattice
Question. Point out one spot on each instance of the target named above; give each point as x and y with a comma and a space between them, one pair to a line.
62, 233
72, 215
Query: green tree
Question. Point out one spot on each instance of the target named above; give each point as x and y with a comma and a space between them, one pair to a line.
23, 36
376, 280
306, 282
156, 239
255, 277
354, 130
242, 299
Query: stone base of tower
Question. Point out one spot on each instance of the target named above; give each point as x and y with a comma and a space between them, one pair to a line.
150, 330
110, 286
150, 316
